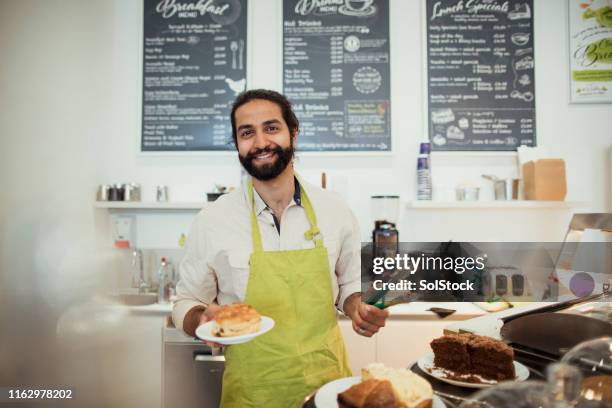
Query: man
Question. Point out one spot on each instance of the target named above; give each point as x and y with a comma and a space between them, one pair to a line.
285, 247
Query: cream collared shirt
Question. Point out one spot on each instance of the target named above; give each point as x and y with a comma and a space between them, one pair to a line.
215, 267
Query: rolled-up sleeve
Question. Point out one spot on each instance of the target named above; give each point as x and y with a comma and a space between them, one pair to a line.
348, 266
197, 285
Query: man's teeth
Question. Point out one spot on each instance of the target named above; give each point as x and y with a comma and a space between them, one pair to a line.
263, 156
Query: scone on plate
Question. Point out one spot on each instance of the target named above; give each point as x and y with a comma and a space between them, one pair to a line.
235, 320
410, 389
369, 394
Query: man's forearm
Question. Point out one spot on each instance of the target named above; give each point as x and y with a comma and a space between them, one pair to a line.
351, 303
192, 320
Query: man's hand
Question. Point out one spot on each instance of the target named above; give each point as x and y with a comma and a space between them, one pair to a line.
207, 315
367, 319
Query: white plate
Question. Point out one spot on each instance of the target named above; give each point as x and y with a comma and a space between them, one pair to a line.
204, 332
426, 364
327, 395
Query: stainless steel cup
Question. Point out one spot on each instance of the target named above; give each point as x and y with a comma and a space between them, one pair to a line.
162, 193
467, 193
132, 192
103, 192
116, 192
505, 189
127, 192
136, 192
512, 188
501, 193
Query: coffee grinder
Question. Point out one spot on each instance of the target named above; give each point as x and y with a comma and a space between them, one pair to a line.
385, 237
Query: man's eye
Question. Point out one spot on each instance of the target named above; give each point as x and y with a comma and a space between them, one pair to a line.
246, 133
272, 128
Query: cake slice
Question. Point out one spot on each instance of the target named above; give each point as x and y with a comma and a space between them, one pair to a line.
451, 352
410, 389
471, 354
492, 359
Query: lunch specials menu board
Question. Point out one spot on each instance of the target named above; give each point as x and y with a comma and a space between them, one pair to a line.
194, 65
481, 86
336, 73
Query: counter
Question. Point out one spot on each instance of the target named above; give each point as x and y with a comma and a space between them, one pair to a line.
490, 324
153, 309
419, 310
415, 310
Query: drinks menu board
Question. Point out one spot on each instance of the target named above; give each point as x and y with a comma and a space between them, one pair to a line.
481, 90
194, 64
336, 73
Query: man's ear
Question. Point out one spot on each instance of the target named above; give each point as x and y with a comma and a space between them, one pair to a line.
294, 135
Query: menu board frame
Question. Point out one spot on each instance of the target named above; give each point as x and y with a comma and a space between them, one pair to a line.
426, 99
362, 153
571, 47
138, 139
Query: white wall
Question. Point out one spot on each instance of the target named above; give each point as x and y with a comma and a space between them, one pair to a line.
579, 134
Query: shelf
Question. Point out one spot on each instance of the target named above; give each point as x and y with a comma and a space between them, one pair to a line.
485, 154
151, 205
518, 204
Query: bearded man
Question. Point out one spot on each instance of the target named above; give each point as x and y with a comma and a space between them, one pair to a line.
287, 248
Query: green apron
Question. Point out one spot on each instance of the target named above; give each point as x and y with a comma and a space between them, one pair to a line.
305, 349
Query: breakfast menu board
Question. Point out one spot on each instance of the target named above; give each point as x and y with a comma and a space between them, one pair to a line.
336, 73
590, 31
194, 65
481, 90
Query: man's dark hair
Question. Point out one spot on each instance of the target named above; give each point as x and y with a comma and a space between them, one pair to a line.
283, 103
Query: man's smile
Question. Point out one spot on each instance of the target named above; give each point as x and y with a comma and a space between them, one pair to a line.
265, 157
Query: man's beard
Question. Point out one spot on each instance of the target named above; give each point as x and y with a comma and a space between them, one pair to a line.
268, 171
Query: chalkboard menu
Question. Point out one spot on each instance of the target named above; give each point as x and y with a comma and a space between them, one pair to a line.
481, 87
336, 73
194, 64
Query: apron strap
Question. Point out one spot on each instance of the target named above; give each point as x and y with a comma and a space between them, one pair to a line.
312, 234
257, 245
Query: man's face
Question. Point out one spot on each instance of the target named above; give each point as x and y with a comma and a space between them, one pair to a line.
265, 145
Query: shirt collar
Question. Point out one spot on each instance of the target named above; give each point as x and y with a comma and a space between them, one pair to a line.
260, 205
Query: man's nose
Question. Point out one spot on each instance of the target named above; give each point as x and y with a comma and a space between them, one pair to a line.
260, 139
